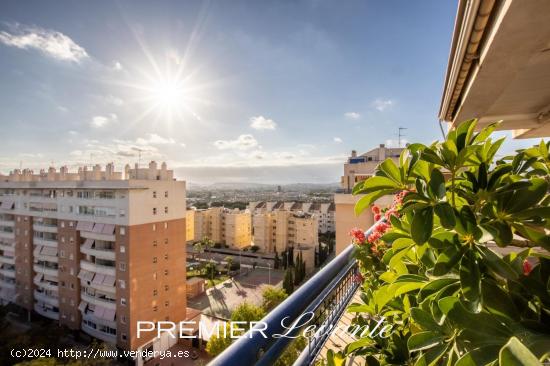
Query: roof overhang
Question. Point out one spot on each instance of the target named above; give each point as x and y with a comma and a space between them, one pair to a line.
499, 66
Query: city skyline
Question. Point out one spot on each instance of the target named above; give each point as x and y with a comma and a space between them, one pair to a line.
223, 92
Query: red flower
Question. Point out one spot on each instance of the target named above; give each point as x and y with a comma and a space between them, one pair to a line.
374, 236
358, 278
527, 267
375, 210
377, 217
358, 235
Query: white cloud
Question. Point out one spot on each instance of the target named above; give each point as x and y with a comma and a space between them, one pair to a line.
73, 133
352, 115
262, 123
338, 140
51, 43
117, 66
62, 109
155, 139
111, 99
101, 121
243, 142
382, 104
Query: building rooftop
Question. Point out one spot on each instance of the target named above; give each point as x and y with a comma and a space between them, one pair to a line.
96, 173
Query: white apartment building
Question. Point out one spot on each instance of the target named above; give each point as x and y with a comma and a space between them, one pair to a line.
95, 250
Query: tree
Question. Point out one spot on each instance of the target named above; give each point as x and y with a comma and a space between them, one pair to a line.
273, 296
207, 244
276, 260
229, 262
288, 282
210, 270
219, 341
247, 312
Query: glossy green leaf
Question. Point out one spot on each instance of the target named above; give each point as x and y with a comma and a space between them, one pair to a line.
446, 215
470, 280
437, 184
424, 340
495, 263
514, 353
422, 225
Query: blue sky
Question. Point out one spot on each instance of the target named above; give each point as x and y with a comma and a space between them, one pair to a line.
260, 91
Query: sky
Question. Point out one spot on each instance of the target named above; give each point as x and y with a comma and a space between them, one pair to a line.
223, 91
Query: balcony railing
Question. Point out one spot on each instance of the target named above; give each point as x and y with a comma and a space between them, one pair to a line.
326, 295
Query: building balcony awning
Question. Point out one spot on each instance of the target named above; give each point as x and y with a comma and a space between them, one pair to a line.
499, 67
86, 275
85, 226
7, 204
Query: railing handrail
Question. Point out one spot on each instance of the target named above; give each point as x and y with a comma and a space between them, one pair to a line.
249, 349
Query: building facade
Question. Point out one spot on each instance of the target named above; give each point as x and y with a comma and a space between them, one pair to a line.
357, 169
323, 211
95, 250
223, 226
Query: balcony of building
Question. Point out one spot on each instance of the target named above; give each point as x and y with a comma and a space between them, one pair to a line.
46, 268
47, 297
45, 253
45, 238
100, 282
98, 314
7, 220
96, 231
45, 225
99, 249
7, 295
7, 245
7, 270
7, 282
103, 332
7, 258
47, 310
98, 266
98, 298
46, 282
6, 232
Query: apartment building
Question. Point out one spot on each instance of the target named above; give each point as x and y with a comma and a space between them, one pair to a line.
96, 250
279, 230
190, 226
223, 226
356, 169
323, 211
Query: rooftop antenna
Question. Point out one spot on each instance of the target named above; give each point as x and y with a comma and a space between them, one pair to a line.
139, 156
399, 134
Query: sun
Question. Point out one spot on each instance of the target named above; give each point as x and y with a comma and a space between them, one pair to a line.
167, 94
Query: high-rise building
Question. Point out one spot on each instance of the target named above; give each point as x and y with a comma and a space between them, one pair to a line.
96, 250
357, 169
223, 226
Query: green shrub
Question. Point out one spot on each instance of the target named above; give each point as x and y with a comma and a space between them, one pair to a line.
428, 269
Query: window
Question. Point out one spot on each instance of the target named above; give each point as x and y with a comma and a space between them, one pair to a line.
121, 283
166, 256
167, 303
123, 336
154, 275
166, 194
166, 272
122, 301
122, 213
154, 227
122, 249
166, 287
155, 308
154, 259
62, 224
123, 321
155, 292
154, 210
166, 224
154, 243
122, 231
122, 266
166, 241
166, 209
154, 194
62, 253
